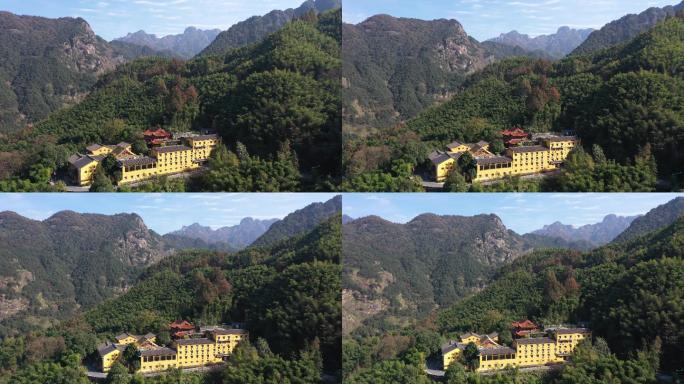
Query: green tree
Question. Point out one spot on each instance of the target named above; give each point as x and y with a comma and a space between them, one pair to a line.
101, 182
455, 182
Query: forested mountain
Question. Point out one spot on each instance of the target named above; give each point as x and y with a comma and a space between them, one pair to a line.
239, 236
275, 104
395, 67
596, 234
600, 97
655, 219
185, 45
46, 64
69, 261
413, 268
557, 45
625, 29
286, 294
300, 221
630, 294
256, 28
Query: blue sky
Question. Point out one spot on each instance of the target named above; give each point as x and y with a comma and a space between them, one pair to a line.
115, 18
165, 212
521, 212
484, 19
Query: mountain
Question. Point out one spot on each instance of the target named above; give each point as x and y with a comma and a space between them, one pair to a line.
347, 219
542, 242
625, 29
396, 67
46, 64
278, 98
256, 28
655, 219
300, 221
239, 236
185, 45
410, 269
628, 293
596, 96
287, 293
557, 45
596, 234
71, 260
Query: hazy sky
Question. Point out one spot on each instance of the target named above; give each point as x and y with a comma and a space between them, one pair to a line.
484, 19
115, 18
165, 212
521, 212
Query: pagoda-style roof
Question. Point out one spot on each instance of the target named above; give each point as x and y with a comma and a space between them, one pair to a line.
182, 324
524, 324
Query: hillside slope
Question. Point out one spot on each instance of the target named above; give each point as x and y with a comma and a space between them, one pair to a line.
655, 219
625, 29
300, 221
256, 28
70, 261
46, 64
411, 269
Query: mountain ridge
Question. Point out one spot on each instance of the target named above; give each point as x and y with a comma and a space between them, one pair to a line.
625, 28
256, 28
558, 44
598, 234
239, 236
186, 45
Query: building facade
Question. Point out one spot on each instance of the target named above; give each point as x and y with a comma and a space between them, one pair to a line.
213, 348
554, 348
547, 155
167, 157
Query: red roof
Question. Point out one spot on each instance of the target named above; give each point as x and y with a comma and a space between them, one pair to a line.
159, 132
517, 132
524, 325
181, 325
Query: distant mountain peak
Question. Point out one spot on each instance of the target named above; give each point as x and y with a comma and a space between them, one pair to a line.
237, 236
186, 44
597, 234
557, 45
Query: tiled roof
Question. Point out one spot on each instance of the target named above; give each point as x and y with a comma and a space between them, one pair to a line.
561, 138
493, 160
442, 157
81, 162
454, 144
230, 331
122, 336
496, 351
535, 340
194, 341
532, 148
106, 349
173, 148
203, 137
93, 147
564, 331
144, 160
158, 352
446, 348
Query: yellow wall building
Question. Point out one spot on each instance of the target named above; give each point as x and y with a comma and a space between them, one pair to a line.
174, 156
527, 352
214, 348
548, 155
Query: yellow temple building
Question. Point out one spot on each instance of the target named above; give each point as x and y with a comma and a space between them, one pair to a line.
547, 154
167, 157
555, 348
216, 345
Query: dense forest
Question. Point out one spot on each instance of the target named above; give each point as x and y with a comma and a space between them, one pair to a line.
275, 104
624, 102
629, 293
287, 294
